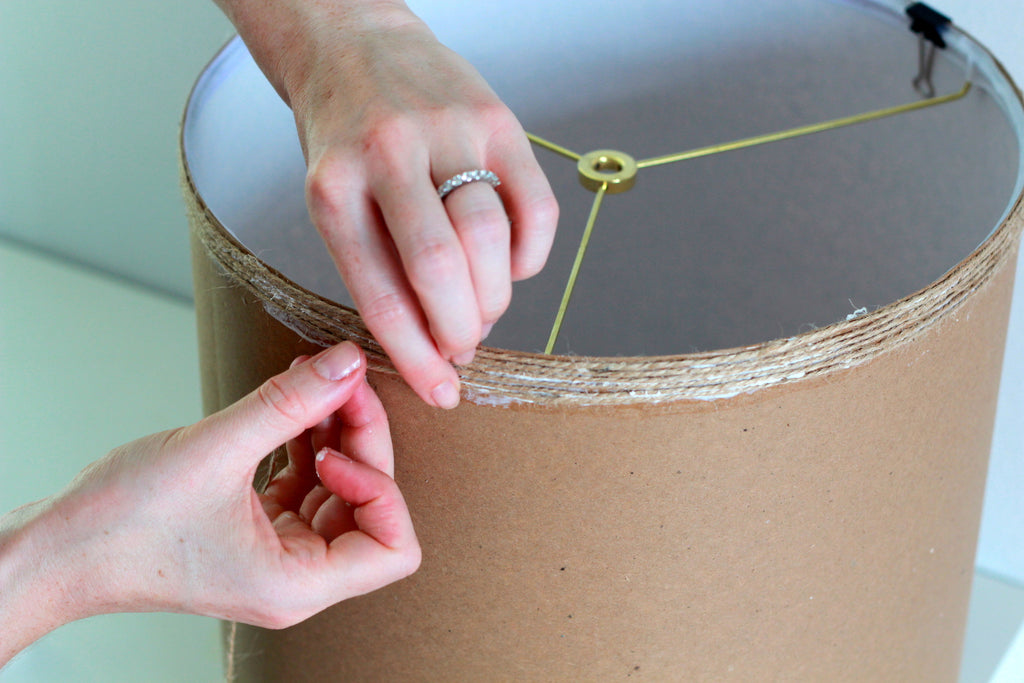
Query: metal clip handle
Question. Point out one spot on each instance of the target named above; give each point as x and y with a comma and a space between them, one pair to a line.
929, 25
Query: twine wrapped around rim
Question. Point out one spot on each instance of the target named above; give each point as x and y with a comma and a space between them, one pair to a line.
499, 376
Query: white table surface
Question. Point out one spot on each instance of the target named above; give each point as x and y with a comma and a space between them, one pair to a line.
88, 362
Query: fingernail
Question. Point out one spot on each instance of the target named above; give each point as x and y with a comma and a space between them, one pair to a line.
445, 395
322, 454
338, 361
486, 330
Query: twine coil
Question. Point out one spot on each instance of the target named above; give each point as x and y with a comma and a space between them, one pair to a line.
499, 376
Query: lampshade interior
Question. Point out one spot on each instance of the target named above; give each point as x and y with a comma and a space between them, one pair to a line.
727, 250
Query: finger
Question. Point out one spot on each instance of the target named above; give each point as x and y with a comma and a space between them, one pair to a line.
333, 518
288, 523
373, 275
433, 260
300, 452
356, 562
288, 488
284, 406
380, 511
479, 219
291, 487
528, 200
365, 435
362, 564
313, 501
326, 433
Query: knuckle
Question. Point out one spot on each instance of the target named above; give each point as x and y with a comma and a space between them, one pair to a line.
497, 303
547, 209
385, 311
286, 620
533, 238
326, 184
531, 264
487, 226
410, 559
274, 608
499, 118
456, 336
178, 439
388, 141
282, 400
432, 260
454, 343
277, 620
543, 212
267, 618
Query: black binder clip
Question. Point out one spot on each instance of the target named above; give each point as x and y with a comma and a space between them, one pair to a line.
929, 25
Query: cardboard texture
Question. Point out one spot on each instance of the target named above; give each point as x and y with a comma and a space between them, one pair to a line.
822, 531
802, 505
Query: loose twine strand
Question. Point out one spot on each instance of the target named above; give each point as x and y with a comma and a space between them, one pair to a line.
229, 669
501, 376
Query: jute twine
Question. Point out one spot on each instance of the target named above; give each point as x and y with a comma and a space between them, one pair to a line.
500, 376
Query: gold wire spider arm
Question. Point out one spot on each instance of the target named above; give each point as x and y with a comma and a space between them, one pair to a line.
580, 252
804, 130
551, 146
610, 171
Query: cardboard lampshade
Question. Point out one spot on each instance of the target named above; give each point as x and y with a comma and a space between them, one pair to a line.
758, 446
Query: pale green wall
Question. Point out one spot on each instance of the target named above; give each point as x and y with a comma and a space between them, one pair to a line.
91, 93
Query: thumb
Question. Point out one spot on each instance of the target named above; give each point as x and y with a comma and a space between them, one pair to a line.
287, 404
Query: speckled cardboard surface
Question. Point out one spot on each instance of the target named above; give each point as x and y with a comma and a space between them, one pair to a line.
823, 530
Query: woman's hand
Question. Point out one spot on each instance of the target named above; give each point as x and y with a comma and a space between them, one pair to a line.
171, 522
385, 115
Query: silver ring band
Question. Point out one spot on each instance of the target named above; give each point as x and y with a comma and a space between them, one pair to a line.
465, 178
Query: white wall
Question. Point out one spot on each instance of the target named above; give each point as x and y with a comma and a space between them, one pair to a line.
998, 24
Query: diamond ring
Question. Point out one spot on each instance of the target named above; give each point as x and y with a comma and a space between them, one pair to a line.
466, 177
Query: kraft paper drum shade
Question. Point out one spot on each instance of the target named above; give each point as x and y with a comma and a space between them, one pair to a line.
758, 447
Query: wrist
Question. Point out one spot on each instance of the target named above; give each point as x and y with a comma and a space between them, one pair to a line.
288, 39
31, 599
65, 558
